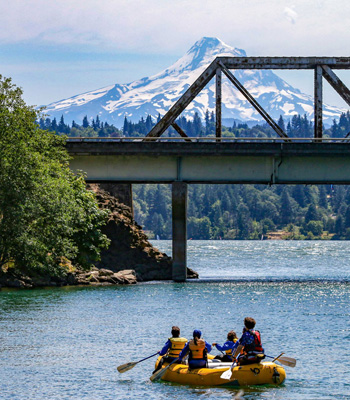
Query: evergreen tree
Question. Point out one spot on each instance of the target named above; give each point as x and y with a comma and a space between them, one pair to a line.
125, 127
54, 125
244, 223
62, 126
207, 123
298, 194
280, 123
323, 197
149, 123
311, 214
85, 122
197, 125
339, 225
286, 208
98, 122
334, 129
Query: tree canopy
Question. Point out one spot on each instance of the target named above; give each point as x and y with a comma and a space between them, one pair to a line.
47, 217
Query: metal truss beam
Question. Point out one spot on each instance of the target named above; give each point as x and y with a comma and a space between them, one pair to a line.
284, 62
180, 132
253, 102
322, 66
336, 83
183, 101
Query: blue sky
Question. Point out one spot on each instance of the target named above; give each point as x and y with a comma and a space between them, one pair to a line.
55, 49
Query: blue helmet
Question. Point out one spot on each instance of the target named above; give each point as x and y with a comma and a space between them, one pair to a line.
197, 333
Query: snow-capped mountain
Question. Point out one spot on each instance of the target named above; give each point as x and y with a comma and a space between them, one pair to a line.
156, 94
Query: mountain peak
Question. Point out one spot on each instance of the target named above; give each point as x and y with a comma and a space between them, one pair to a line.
207, 41
156, 94
203, 52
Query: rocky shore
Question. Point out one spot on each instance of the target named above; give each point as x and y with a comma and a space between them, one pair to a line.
130, 258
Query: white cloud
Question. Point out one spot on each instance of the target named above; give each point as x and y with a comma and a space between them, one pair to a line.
290, 14
171, 26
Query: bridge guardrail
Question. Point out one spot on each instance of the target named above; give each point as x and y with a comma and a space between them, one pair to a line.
208, 140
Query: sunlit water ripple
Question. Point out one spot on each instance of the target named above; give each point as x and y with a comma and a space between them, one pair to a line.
66, 343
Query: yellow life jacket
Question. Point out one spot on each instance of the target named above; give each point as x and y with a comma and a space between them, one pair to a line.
197, 350
229, 351
177, 344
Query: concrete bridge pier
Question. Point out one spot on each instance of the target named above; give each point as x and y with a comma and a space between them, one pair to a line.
179, 210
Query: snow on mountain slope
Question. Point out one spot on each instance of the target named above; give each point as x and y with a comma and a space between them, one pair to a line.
155, 95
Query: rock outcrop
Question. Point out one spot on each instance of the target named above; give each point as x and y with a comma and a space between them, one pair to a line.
129, 258
130, 247
96, 277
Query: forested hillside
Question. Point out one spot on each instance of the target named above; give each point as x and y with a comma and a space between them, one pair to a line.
249, 211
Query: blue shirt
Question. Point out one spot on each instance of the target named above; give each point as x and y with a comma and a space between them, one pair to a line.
186, 349
228, 345
246, 339
165, 348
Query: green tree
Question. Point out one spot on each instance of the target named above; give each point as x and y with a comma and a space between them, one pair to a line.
244, 222
199, 228
46, 213
286, 208
280, 123
323, 197
85, 122
315, 227
311, 214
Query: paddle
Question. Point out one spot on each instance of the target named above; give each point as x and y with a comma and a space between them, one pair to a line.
158, 374
238, 395
288, 361
227, 374
130, 365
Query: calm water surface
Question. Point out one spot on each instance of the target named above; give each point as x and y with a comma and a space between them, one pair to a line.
66, 343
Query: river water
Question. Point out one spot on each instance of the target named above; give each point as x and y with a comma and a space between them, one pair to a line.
65, 343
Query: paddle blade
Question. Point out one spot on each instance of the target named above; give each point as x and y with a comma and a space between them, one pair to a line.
126, 367
159, 374
288, 361
238, 395
226, 374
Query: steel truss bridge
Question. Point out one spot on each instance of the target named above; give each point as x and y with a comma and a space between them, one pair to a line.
183, 160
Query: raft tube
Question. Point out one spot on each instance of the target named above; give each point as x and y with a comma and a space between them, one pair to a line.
254, 374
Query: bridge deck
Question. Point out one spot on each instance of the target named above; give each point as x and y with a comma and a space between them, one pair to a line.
204, 161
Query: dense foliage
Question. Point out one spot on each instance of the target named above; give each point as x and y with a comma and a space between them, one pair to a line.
48, 220
249, 211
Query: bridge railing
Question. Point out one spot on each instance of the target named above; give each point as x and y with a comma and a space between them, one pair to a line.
209, 139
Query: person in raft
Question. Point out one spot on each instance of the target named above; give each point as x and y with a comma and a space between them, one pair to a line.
227, 347
248, 349
198, 349
172, 347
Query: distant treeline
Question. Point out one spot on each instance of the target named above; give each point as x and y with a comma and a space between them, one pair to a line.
87, 129
249, 211
297, 126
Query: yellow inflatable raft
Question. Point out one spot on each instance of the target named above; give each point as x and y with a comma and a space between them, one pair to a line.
254, 374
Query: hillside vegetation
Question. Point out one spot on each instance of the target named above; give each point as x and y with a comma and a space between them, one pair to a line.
249, 211
48, 220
